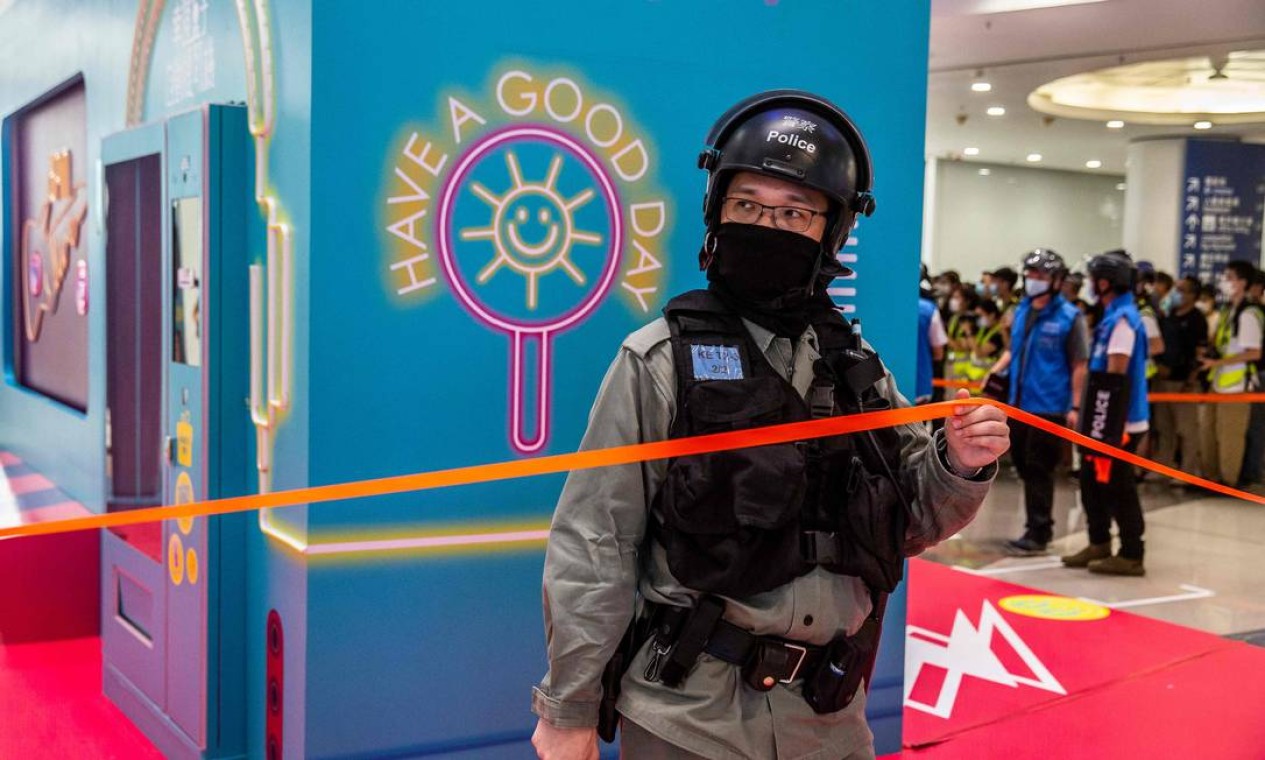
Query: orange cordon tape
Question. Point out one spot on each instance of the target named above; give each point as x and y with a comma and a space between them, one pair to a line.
1155, 398
582, 460
940, 382
1205, 398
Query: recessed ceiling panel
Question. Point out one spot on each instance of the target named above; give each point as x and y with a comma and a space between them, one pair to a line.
1223, 90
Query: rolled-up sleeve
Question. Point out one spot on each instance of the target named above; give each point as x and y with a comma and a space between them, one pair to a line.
590, 575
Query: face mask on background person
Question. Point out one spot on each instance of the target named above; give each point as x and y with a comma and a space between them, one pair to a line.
1035, 288
1205, 306
1226, 287
983, 323
955, 305
1172, 301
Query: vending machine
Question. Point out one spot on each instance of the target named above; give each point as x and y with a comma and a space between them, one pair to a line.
178, 233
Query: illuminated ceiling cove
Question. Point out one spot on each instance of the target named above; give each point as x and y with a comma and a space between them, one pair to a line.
1223, 90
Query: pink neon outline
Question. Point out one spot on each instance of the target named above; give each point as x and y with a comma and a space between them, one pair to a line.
517, 392
543, 331
427, 542
613, 215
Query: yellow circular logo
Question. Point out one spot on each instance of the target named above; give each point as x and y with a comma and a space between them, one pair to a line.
184, 495
175, 559
191, 567
1049, 607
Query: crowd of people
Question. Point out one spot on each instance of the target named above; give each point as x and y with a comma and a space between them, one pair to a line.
1028, 336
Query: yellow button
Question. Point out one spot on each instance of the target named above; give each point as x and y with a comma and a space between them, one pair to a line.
191, 567
175, 559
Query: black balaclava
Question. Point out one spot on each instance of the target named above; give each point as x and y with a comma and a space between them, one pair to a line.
765, 274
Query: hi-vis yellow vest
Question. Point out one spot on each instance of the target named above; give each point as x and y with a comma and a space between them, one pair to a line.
1145, 310
978, 367
958, 361
1240, 376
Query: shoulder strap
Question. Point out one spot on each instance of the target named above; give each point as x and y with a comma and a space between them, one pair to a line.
833, 332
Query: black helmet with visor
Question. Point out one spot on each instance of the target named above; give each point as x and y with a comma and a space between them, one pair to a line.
1047, 262
796, 136
1116, 267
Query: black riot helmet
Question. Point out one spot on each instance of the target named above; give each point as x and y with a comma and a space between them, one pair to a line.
1047, 262
795, 136
1116, 267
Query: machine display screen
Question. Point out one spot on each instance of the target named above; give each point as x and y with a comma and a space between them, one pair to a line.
186, 265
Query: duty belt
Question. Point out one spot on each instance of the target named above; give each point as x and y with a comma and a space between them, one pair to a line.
766, 660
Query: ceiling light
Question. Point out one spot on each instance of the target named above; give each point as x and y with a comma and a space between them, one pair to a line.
1120, 186
985, 172
970, 151
1034, 157
996, 111
981, 87
1203, 125
1093, 164
1115, 124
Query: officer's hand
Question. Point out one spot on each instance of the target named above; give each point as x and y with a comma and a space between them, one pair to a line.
976, 435
553, 743
1073, 420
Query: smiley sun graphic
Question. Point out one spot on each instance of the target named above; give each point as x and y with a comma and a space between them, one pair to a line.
532, 227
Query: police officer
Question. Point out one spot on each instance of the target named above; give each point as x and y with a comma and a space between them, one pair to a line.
1116, 398
1046, 363
756, 612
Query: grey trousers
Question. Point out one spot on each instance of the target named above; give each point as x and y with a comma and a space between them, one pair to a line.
636, 743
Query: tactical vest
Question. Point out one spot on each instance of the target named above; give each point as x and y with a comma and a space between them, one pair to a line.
738, 523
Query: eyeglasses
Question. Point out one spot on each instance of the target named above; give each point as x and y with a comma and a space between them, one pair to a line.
789, 218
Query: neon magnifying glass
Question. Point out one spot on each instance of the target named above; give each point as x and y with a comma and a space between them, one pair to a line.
532, 231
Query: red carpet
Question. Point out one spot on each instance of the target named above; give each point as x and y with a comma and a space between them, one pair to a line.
49, 585
1018, 686
51, 705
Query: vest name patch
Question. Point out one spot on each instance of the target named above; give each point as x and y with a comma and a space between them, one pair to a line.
716, 363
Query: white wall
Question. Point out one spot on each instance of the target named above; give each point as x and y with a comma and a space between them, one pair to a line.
984, 216
1152, 201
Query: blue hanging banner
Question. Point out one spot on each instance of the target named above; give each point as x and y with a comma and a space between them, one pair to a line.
1223, 194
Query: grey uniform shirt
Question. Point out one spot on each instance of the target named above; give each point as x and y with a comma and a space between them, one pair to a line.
596, 563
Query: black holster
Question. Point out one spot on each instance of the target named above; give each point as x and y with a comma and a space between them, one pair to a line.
850, 659
612, 676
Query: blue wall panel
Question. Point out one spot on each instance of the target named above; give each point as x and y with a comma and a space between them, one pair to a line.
403, 382
386, 383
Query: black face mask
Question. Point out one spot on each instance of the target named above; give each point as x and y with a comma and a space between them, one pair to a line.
765, 274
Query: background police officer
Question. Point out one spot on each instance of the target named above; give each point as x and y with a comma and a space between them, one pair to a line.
777, 212
1046, 362
1117, 366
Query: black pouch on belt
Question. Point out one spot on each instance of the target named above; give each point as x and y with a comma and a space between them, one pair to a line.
833, 684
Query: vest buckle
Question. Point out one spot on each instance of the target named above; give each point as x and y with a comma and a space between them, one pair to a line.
819, 547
